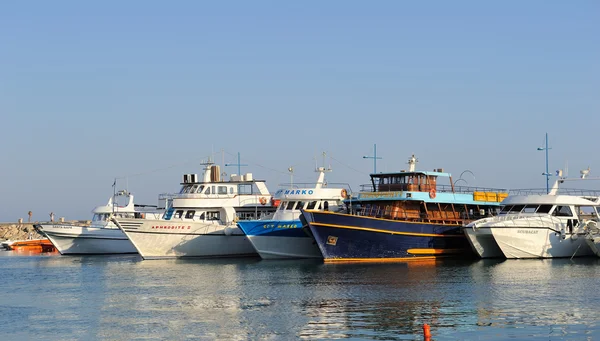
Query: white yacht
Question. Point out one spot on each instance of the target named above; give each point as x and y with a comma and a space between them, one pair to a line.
283, 236
102, 236
535, 226
201, 219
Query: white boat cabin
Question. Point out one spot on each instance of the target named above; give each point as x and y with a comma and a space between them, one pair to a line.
212, 199
121, 205
317, 197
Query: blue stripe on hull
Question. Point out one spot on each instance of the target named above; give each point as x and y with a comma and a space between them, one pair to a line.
341, 236
276, 228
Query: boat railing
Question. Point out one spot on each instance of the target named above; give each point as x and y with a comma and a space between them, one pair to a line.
445, 217
438, 188
312, 185
561, 191
530, 220
166, 196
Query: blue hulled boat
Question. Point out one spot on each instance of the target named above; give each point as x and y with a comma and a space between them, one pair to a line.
282, 235
402, 216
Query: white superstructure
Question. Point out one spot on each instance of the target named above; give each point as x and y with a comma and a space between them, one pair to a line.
102, 236
201, 219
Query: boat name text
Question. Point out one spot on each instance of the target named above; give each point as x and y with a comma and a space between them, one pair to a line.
280, 226
295, 192
528, 231
176, 227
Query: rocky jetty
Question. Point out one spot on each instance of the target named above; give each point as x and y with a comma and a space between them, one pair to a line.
16, 231
21, 231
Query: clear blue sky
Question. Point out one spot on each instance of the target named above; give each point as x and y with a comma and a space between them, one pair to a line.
90, 91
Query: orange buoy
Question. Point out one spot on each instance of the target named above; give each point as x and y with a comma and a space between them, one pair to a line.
344, 193
426, 332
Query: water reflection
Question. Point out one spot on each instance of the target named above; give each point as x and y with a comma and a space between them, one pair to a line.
123, 298
554, 293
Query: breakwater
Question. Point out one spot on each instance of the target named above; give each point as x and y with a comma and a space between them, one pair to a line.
21, 231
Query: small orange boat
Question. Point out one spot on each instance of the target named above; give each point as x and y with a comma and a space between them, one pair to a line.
33, 245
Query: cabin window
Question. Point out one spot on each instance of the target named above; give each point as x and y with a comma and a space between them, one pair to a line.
178, 213
290, 205
562, 211
194, 189
544, 209
311, 205
213, 190
506, 209
230, 190
213, 215
244, 189
200, 189
282, 205
318, 207
207, 190
222, 189
300, 205
529, 209
190, 214
587, 212
326, 205
202, 216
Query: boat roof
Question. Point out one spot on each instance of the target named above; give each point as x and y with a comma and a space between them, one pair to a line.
429, 173
550, 199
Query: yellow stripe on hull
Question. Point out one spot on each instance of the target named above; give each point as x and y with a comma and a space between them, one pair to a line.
389, 232
379, 260
434, 251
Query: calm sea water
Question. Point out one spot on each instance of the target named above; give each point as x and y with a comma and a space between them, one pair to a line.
124, 298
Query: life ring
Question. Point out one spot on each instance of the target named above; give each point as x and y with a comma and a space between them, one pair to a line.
432, 193
344, 193
263, 200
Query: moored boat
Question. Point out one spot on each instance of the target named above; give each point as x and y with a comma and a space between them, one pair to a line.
549, 223
30, 245
402, 216
282, 235
201, 219
543, 226
102, 236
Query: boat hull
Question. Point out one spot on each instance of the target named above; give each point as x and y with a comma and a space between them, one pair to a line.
157, 239
482, 242
343, 237
539, 242
281, 239
79, 240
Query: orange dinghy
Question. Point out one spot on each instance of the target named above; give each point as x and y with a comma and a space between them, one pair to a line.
32, 245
